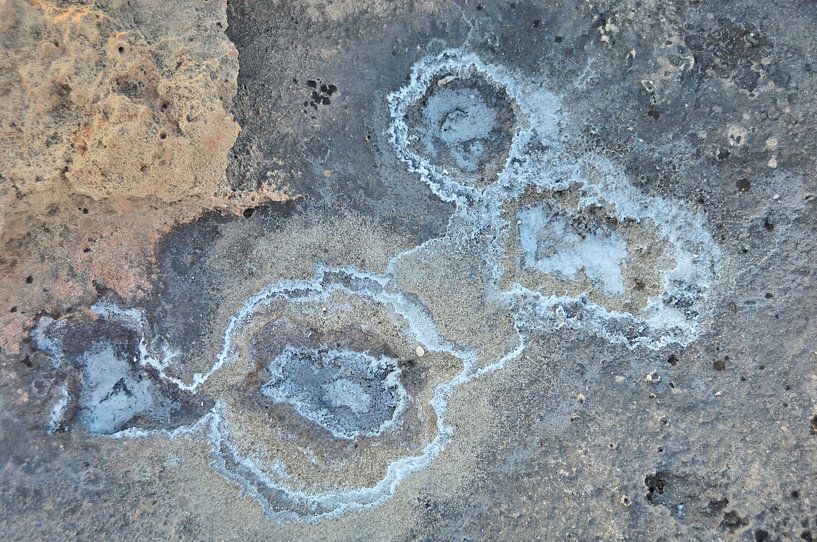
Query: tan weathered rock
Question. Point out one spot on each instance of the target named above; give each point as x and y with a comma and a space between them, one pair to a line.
115, 126
115, 108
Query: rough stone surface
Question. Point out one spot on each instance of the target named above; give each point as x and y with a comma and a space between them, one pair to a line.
116, 124
582, 308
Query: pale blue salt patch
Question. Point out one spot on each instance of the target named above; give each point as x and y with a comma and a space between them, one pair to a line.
347, 393
551, 245
111, 395
460, 115
59, 409
45, 335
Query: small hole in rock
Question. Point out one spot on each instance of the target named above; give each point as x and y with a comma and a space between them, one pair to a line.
716, 506
655, 484
768, 224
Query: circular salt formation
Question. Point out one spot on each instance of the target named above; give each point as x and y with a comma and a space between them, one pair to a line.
455, 125
325, 403
579, 245
463, 126
348, 393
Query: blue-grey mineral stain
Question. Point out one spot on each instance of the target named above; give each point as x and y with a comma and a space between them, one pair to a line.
464, 126
107, 388
111, 393
348, 393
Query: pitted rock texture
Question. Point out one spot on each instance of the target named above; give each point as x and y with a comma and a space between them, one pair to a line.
115, 107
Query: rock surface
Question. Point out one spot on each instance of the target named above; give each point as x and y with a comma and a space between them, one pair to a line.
583, 308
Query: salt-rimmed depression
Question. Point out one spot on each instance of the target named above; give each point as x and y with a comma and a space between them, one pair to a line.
341, 352
348, 393
110, 386
468, 101
568, 239
328, 392
464, 126
384, 375
638, 269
